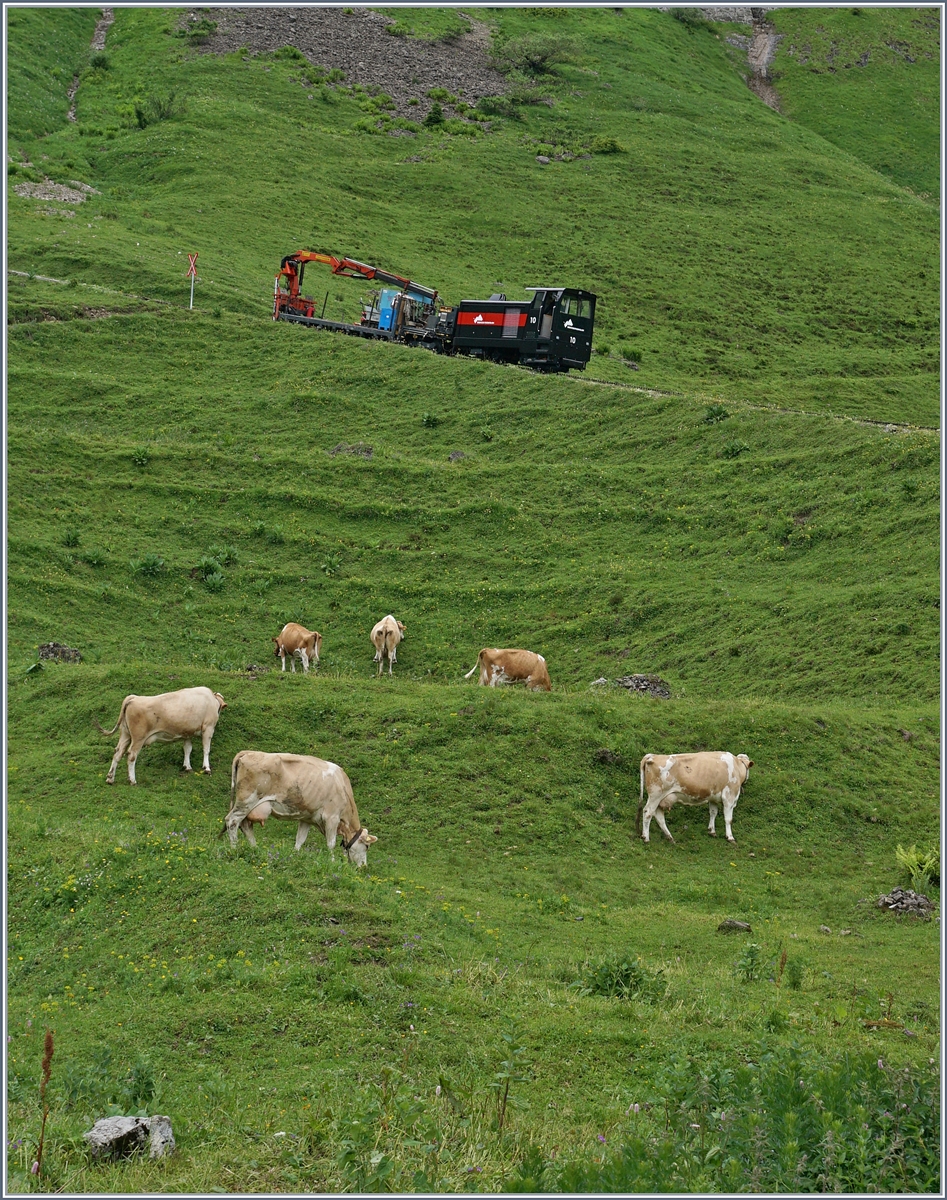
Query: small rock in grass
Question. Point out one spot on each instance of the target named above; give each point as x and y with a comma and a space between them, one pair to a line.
121, 1137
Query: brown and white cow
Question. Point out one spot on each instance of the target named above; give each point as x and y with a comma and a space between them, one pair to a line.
170, 717
708, 777
512, 666
295, 787
295, 641
386, 636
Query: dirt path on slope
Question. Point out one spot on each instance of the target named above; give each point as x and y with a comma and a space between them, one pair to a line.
98, 43
760, 54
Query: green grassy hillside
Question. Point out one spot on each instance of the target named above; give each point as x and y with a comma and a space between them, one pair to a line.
867, 80
517, 994
730, 247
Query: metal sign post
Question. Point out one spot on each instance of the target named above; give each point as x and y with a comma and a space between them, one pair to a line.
192, 271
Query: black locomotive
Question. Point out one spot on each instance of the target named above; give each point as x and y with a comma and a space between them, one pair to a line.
550, 331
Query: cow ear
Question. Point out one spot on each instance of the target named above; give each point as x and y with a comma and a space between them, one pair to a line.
368, 838
223, 702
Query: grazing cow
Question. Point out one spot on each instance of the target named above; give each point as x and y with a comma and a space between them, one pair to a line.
385, 637
298, 788
294, 640
170, 717
707, 778
512, 666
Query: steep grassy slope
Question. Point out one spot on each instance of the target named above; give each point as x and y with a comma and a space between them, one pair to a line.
285, 1005
764, 554
756, 521
729, 246
867, 80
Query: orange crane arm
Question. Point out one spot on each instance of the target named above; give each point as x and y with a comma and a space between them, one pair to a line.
292, 268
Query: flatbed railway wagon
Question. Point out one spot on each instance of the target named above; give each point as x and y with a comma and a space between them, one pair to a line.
549, 331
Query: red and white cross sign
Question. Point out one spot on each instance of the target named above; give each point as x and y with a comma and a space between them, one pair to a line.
192, 265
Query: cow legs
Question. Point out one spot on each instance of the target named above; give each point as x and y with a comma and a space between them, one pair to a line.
234, 823
728, 807
124, 741
282, 654
133, 752
302, 832
713, 818
652, 809
305, 661
332, 829
207, 736
187, 755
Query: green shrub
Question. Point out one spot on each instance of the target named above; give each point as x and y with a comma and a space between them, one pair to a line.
141, 456
535, 54
715, 413
199, 31
923, 868
795, 973
435, 116
621, 977
749, 966
99, 61
500, 106
214, 582
787, 1121
225, 556
149, 565
430, 420
158, 108
604, 144
734, 449
70, 539
208, 565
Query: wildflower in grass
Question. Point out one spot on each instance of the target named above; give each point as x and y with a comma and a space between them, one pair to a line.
44, 1080
601, 1138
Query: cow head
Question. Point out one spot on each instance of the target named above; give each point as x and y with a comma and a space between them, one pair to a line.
278, 647
221, 703
402, 628
745, 763
357, 850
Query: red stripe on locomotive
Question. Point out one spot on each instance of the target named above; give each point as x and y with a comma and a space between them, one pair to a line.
478, 319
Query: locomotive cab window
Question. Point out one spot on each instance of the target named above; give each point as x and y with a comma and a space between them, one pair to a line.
572, 306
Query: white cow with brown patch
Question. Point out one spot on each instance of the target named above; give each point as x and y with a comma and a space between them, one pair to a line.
386, 637
295, 787
297, 642
707, 777
170, 717
512, 666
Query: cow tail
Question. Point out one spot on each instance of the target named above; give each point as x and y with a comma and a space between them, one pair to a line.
474, 667
639, 817
121, 717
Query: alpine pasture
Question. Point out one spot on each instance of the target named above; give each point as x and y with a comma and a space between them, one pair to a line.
739, 496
